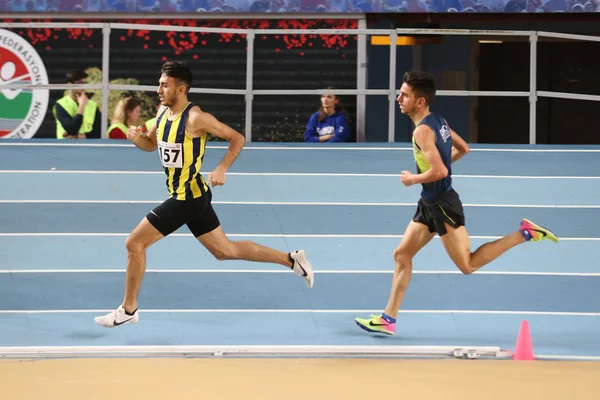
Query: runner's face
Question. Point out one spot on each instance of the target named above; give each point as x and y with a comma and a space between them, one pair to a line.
169, 90
407, 99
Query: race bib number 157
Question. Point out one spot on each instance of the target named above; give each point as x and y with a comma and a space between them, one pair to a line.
170, 154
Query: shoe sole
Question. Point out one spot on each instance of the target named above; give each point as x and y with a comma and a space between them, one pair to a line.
116, 326
371, 330
311, 282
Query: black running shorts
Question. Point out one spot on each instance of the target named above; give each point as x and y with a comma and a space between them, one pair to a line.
197, 214
447, 207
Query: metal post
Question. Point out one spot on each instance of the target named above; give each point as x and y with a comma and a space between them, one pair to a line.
105, 88
392, 90
361, 82
249, 79
533, 39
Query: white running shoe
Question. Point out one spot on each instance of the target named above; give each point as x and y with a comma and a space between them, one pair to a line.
117, 318
302, 267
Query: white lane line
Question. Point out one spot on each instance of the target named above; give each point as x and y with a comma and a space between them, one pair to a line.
285, 271
257, 235
300, 203
305, 148
322, 174
302, 311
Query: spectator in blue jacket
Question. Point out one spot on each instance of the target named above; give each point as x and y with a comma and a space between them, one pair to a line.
330, 123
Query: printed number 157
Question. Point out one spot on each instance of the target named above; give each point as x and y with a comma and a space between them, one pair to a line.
166, 155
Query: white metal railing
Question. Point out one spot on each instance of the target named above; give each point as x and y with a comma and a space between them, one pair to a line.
361, 91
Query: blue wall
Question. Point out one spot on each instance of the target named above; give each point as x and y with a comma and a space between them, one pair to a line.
377, 106
454, 54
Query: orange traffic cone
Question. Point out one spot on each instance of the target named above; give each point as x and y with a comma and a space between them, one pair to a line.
524, 346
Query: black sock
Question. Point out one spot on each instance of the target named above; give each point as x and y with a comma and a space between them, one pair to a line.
130, 314
291, 260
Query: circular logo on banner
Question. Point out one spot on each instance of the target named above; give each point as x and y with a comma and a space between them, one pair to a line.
22, 111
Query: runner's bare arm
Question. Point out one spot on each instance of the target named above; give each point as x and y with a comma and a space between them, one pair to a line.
201, 123
459, 146
425, 138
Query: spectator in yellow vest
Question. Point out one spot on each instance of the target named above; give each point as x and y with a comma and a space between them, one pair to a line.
76, 115
150, 123
126, 113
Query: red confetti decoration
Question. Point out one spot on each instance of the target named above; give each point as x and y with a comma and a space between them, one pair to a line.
181, 42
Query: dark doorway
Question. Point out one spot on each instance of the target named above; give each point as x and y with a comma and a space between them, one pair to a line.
562, 67
503, 67
568, 67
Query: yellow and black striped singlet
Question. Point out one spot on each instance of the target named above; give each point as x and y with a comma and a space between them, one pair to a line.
181, 156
